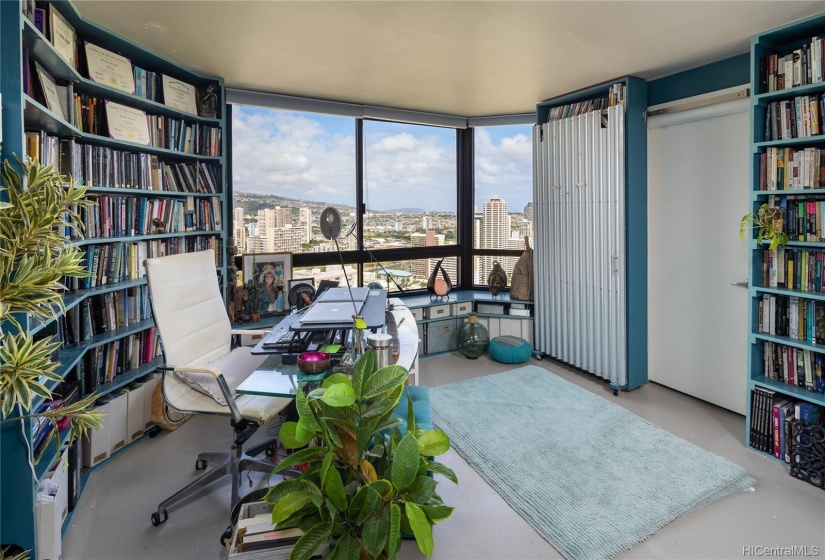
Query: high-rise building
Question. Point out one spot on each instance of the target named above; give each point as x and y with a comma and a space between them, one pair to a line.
238, 229
528, 211
285, 239
255, 244
478, 230
305, 219
525, 229
496, 231
426, 223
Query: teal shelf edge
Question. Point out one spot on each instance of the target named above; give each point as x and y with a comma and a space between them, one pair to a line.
499, 316
801, 244
790, 390
787, 341
57, 67
808, 140
780, 95
94, 240
788, 292
50, 453
152, 193
37, 116
789, 192
71, 299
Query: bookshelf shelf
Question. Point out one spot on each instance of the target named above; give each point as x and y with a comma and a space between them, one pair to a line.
784, 112
29, 123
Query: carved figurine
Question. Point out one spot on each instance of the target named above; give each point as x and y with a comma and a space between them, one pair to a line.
521, 287
209, 103
160, 227
497, 279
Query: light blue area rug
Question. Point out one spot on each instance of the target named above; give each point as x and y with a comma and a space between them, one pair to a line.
592, 478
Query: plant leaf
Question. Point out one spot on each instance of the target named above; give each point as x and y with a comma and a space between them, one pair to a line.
363, 370
291, 437
405, 462
339, 395
421, 490
421, 528
394, 536
288, 486
305, 412
334, 489
374, 532
384, 380
368, 470
303, 456
289, 504
336, 378
443, 470
346, 548
432, 442
311, 541
437, 513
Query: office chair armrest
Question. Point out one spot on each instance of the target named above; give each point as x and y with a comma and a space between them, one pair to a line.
227, 394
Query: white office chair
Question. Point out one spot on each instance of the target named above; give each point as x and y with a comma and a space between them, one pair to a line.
202, 371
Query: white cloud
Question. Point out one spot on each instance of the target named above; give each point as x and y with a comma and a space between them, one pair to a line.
505, 168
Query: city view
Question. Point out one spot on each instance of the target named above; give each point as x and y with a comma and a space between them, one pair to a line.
288, 166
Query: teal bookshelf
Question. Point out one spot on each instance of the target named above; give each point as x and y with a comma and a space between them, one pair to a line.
23, 113
779, 41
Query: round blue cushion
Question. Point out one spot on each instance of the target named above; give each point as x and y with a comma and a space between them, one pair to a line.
510, 349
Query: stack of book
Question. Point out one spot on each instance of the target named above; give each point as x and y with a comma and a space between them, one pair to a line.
771, 421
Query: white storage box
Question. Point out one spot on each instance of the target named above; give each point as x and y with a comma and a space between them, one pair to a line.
417, 313
437, 311
135, 411
96, 446
118, 421
51, 509
461, 308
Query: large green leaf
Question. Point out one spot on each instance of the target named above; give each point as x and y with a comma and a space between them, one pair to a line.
394, 532
432, 442
374, 532
405, 463
437, 513
336, 378
346, 548
378, 408
339, 395
444, 470
291, 437
289, 486
334, 489
384, 380
311, 541
303, 456
305, 412
365, 503
363, 370
289, 504
422, 530
421, 490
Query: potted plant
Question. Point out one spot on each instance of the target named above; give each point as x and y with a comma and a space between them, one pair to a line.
768, 223
35, 255
364, 484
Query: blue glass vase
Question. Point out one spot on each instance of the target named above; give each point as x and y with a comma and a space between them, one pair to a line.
473, 338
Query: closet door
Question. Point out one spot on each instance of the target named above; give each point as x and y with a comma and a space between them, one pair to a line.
697, 193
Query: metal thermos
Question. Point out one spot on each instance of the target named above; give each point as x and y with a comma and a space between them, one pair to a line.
382, 345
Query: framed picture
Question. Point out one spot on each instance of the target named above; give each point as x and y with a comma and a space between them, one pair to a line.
265, 276
295, 281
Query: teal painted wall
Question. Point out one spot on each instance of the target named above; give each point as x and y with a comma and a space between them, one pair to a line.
730, 72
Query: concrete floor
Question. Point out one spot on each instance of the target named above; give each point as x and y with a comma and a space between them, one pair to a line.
112, 518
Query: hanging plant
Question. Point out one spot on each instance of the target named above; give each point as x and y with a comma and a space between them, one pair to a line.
769, 224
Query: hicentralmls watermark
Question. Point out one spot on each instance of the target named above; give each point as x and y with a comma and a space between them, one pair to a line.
781, 551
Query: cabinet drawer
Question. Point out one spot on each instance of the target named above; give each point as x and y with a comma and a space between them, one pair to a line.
437, 311
417, 313
462, 308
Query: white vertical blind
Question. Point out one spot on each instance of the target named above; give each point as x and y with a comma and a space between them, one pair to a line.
578, 199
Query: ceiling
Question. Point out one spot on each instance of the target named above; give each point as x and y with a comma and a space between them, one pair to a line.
462, 58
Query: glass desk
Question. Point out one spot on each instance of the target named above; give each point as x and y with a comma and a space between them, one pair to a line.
271, 379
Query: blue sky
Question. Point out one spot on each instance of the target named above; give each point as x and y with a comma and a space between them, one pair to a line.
311, 156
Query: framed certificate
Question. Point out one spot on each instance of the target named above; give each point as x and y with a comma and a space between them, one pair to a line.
126, 123
63, 37
179, 95
106, 67
50, 92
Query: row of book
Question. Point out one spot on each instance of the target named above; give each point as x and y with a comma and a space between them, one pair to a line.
103, 313
102, 364
100, 166
796, 318
789, 168
164, 132
800, 117
802, 66
616, 96
121, 216
772, 418
794, 366
795, 269
802, 216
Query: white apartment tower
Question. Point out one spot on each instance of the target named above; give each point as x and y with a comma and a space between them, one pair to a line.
305, 219
496, 232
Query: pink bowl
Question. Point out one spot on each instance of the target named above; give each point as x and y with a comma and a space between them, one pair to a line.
313, 362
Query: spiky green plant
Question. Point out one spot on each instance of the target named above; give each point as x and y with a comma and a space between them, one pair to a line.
364, 483
35, 255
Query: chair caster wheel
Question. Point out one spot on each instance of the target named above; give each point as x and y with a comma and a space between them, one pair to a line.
226, 535
200, 464
615, 392
156, 519
270, 451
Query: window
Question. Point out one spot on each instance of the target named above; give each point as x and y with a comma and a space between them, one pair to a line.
286, 167
409, 185
503, 212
